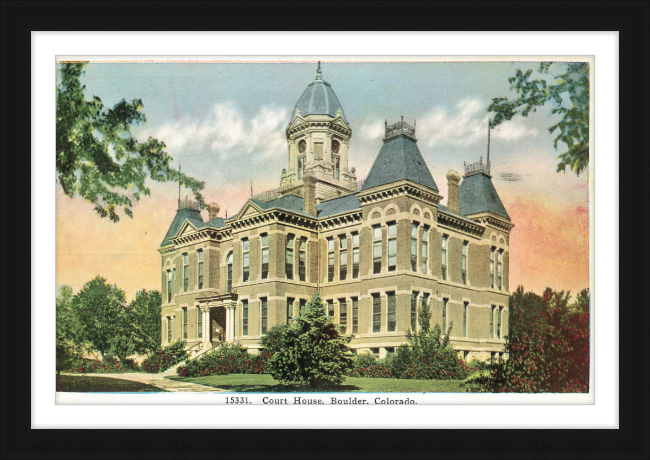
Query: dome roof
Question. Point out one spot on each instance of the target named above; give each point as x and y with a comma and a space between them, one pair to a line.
318, 99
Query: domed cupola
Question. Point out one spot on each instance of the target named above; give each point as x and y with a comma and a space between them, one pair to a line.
317, 136
318, 99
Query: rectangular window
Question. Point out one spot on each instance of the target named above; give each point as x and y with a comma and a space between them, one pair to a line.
425, 300
376, 249
244, 317
355, 315
169, 329
303, 306
229, 273
169, 286
425, 249
355, 255
463, 262
186, 272
376, 313
302, 259
375, 352
265, 256
391, 315
199, 323
330, 259
290, 301
492, 251
263, 314
392, 246
414, 246
343, 315
465, 305
318, 150
492, 322
390, 350
330, 308
288, 260
245, 260
414, 310
199, 253
301, 167
445, 302
499, 268
499, 313
174, 286
343, 257
184, 323
444, 256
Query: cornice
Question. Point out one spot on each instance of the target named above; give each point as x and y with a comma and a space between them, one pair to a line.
404, 187
456, 223
492, 220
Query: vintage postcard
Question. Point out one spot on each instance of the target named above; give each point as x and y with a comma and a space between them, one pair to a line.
323, 230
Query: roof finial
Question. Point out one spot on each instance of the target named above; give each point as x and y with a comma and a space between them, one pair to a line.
319, 74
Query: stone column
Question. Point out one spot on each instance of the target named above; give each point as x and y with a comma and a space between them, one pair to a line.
205, 333
343, 153
230, 320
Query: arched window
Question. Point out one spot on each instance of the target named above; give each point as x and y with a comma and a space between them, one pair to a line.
229, 273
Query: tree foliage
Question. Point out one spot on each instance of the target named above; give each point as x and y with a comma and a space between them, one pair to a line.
312, 350
69, 341
144, 321
548, 351
428, 355
100, 308
568, 92
98, 158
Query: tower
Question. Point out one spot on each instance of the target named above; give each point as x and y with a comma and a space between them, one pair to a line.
317, 137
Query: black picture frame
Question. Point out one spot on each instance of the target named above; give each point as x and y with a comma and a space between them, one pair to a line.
631, 19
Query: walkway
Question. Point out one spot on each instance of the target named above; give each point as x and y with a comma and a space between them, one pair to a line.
159, 381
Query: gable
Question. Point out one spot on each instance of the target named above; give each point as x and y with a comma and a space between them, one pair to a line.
249, 209
186, 229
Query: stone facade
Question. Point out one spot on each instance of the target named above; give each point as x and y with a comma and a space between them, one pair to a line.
374, 254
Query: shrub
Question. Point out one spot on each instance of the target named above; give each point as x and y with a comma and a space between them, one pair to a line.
312, 350
163, 359
121, 346
477, 365
373, 371
427, 355
106, 366
226, 359
363, 360
549, 354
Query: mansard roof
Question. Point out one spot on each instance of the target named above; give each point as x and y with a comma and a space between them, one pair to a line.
338, 205
192, 215
399, 159
477, 194
291, 203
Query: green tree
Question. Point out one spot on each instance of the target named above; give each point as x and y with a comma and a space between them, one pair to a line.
428, 355
568, 92
144, 321
312, 352
69, 340
99, 307
548, 352
98, 158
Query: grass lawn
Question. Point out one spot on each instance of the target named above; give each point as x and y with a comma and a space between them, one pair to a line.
264, 383
84, 384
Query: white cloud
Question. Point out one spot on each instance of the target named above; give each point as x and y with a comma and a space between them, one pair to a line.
225, 132
372, 130
466, 125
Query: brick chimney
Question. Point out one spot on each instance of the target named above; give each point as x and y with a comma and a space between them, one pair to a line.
309, 194
453, 182
213, 211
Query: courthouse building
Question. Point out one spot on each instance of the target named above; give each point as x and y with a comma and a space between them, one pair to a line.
376, 251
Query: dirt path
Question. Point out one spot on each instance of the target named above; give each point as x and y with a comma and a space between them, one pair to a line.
159, 381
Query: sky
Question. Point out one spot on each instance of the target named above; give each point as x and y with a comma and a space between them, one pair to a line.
225, 124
